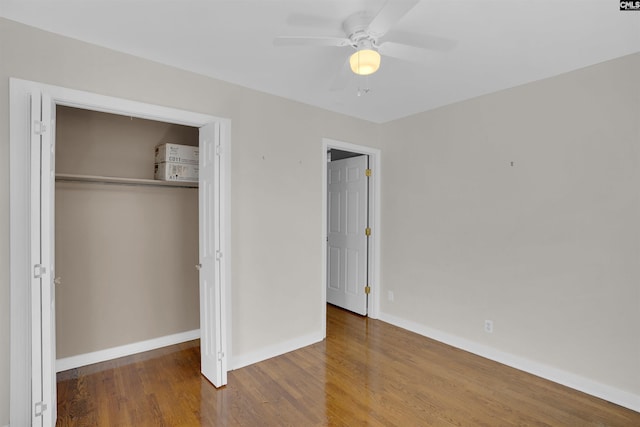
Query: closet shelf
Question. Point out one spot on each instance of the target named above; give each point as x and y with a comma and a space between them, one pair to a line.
123, 181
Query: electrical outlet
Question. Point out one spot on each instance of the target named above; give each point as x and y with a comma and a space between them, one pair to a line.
390, 295
488, 326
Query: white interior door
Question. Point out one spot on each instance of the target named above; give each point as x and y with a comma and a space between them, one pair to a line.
212, 313
43, 354
347, 194
39, 276
48, 260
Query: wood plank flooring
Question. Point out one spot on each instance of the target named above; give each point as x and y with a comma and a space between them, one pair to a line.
365, 373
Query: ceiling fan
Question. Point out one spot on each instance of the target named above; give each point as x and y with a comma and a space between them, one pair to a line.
365, 33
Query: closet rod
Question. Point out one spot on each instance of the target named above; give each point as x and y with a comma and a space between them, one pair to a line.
124, 181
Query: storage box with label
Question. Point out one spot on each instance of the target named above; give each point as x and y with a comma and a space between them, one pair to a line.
166, 171
176, 153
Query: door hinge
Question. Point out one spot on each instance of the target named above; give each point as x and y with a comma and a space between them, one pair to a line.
39, 271
218, 150
39, 127
220, 355
367, 231
367, 290
218, 255
367, 172
39, 408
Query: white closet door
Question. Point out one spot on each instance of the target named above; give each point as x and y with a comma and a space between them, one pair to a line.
38, 279
48, 260
43, 354
212, 315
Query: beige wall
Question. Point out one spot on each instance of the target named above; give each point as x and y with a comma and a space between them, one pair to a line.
275, 184
95, 143
126, 254
547, 248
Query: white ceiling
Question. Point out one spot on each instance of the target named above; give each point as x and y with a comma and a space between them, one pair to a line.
500, 44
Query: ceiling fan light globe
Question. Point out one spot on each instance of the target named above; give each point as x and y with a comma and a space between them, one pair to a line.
365, 62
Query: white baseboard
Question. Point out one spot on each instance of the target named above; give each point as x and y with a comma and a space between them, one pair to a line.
124, 350
594, 388
275, 350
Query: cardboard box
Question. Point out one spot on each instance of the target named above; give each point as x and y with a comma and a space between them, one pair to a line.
166, 171
176, 153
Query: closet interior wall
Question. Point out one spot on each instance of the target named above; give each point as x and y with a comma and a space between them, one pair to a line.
125, 254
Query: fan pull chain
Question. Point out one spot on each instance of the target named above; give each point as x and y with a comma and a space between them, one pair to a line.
366, 89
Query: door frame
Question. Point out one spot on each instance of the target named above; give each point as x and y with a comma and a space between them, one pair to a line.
374, 221
20, 177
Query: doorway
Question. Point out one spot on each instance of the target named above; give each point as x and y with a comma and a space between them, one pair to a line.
32, 172
125, 252
365, 279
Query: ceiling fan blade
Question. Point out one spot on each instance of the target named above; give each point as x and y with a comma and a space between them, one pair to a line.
310, 41
405, 52
425, 41
391, 12
342, 77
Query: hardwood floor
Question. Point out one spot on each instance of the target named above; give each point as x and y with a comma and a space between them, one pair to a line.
365, 373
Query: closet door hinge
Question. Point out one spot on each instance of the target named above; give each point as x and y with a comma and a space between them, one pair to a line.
220, 355
39, 127
218, 150
218, 255
39, 271
39, 408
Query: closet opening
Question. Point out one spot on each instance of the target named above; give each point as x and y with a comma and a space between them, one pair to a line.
32, 240
126, 250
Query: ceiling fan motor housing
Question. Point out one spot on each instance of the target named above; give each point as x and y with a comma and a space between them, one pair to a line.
355, 27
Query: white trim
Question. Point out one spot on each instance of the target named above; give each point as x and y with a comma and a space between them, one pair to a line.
276, 350
120, 106
225, 239
20, 247
73, 362
577, 382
